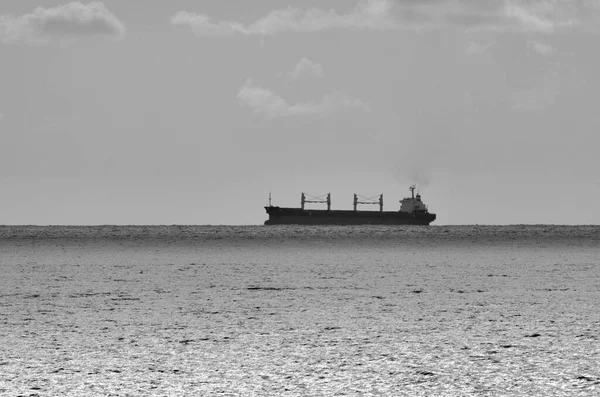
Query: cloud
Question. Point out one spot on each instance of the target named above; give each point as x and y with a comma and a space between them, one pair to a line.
542, 48
367, 14
476, 48
271, 105
72, 20
543, 16
511, 15
305, 66
529, 19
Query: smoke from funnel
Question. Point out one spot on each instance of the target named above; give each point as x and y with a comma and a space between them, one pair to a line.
419, 176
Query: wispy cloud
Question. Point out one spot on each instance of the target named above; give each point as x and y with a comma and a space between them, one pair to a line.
367, 14
271, 105
544, 16
476, 48
542, 48
306, 66
72, 20
529, 19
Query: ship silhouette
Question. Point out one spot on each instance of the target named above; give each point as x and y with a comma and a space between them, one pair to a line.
412, 212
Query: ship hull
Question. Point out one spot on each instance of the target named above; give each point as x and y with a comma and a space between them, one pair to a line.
297, 216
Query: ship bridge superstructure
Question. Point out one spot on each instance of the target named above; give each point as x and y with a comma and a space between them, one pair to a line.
413, 204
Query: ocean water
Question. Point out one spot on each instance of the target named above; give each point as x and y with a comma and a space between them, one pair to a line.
300, 311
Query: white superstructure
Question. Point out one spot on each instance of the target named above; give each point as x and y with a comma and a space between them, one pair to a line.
412, 204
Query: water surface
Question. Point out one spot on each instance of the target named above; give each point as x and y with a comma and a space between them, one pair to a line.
311, 311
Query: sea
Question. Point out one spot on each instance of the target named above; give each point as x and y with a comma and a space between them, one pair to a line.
300, 310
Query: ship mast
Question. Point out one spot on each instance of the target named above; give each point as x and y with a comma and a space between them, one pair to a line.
372, 200
327, 201
412, 190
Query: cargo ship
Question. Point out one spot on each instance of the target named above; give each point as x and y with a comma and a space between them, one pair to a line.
412, 212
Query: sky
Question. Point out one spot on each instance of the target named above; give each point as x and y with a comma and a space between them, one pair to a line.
193, 111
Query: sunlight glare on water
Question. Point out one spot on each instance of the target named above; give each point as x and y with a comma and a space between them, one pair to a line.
290, 310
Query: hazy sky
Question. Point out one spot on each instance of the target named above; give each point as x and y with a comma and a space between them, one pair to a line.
192, 111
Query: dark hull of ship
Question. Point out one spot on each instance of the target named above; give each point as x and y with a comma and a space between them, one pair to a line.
298, 216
